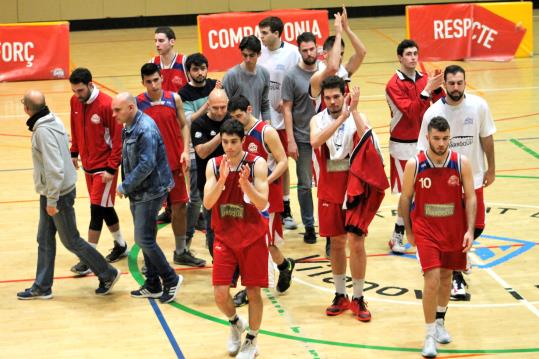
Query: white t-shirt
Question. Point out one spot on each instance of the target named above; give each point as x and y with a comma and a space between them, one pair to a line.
278, 63
468, 121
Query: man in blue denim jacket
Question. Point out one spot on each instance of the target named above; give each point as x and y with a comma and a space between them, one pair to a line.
146, 181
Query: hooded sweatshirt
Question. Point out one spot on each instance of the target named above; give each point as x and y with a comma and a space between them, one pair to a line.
54, 173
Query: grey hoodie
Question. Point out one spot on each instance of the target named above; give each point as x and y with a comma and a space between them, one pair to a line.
54, 173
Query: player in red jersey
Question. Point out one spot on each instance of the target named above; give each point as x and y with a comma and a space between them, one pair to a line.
97, 138
262, 139
166, 109
438, 223
236, 190
171, 63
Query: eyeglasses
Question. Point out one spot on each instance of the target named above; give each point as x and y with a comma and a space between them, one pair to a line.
251, 55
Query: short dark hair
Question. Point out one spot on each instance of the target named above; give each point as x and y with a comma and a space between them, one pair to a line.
333, 82
306, 37
167, 31
274, 23
196, 59
453, 70
232, 127
149, 69
239, 102
252, 43
404, 44
330, 41
438, 123
80, 74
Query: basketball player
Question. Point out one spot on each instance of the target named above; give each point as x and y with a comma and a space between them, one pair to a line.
166, 109
236, 190
438, 222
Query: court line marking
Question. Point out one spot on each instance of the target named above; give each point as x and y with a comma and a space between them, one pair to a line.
166, 328
524, 147
135, 272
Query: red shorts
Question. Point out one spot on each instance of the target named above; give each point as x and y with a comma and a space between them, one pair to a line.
480, 214
178, 194
276, 237
396, 172
331, 218
275, 197
284, 139
251, 260
101, 194
430, 256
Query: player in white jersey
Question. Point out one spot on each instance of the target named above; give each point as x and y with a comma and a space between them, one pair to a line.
278, 57
472, 130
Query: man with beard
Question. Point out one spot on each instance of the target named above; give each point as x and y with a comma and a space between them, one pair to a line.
194, 96
472, 130
438, 222
408, 93
298, 110
278, 57
97, 139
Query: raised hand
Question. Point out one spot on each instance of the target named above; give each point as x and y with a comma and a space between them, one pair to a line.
354, 98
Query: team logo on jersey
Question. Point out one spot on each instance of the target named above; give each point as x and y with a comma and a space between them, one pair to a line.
198, 134
453, 180
252, 147
213, 133
468, 121
177, 80
231, 210
95, 119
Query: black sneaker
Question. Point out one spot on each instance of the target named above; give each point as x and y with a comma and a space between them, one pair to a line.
169, 291
200, 223
165, 216
81, 269
309, 236
240, 299
458, 288
105, 286
117, 253
34, 293
187, 259
285, 276
147, 292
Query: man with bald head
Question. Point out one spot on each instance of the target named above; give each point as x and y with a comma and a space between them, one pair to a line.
146, 181
207, 144
55, 180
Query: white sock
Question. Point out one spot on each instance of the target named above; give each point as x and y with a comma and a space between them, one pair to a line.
358, 287
93, 244
254, 333
286, 198
339, 280
441, 309
431, 328
118, 238
400, 221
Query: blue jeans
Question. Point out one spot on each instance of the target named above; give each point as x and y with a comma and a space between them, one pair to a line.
145, 221
195, 202
305, 180
210, 236
65, 224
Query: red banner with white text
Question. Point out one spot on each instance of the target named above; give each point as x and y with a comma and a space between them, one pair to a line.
465, 31
31, 51
219, 35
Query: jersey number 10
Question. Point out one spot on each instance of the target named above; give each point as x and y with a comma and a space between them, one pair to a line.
425, 182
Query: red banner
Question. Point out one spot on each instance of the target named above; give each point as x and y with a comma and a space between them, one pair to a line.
37, 51
219, 35
462, 31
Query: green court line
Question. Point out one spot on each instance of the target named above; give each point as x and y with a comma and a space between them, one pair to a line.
521, 177
524, 147
135, 272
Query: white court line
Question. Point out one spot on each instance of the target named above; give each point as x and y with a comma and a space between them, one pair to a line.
452, 304
505, 285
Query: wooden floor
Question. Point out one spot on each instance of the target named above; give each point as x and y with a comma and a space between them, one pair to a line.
76, 323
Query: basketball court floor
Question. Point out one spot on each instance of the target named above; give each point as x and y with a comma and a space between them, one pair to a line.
501, 319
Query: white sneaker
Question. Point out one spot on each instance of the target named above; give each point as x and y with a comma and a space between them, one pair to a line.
248, 349
429, 348
289, 223
234, 339
442, 336
396, 243
458, 287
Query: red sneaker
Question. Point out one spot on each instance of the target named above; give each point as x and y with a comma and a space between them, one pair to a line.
340, 304
358, 306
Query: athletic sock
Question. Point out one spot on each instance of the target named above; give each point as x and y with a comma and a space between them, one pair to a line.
234, 319
181, 243
118, 238
93, 244
440, 312
283, 265
431, 328
339, 280
358, 287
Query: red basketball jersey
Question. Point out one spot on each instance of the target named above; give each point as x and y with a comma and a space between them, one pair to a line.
174, 77
438, 213
235, 220
163, 112
255, 143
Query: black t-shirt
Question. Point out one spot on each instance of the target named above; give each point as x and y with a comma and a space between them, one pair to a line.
202, 131
191, 93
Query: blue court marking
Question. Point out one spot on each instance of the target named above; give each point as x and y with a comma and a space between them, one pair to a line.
166, 328
508, 251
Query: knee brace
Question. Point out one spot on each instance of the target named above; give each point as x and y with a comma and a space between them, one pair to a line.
110, 216
96, 218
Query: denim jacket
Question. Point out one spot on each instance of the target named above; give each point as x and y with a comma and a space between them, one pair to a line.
144, 161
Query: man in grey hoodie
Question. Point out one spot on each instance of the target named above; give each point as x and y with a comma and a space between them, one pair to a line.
55, 179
